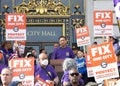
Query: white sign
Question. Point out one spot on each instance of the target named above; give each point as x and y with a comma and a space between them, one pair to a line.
15, 27
103, 23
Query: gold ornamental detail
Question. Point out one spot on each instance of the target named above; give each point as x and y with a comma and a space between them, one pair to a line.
43, 7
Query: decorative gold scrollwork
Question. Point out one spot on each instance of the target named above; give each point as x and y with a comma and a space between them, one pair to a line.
22, 8
2, 22
78, 22
42, 7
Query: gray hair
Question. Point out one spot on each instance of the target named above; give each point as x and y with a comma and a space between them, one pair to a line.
68, 64
9, 69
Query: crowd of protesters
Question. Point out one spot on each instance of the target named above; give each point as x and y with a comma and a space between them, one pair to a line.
74, 65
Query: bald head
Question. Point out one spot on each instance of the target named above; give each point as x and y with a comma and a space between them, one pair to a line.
42, 56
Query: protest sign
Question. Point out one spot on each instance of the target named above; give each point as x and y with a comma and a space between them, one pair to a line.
15, 27
103, 23
20, 45
23, 70
41, 82
104, 62
89, 66
82, 36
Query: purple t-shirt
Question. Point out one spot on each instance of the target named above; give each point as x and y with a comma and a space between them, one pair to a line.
62, 53
4, 59
65, 78
116, 46
6, 54
43, 74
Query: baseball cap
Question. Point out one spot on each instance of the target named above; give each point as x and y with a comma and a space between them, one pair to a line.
74, 46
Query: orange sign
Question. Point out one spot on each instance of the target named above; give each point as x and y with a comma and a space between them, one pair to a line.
21, 46
103, 17
102, 52
104, 62
103, 23
13, 20
41, 82
82, 36
1, 55
111, 82
89, 66
15, 27
23, 70
23, 42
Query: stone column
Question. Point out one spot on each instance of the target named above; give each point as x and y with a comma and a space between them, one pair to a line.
89, 9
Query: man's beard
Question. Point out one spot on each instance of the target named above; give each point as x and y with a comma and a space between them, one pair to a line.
74, 81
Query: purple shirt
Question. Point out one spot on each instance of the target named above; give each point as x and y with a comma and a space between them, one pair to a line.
4, 60
115, 2
62, 53
116, 46
65, 78
43, 74
6, 55
118, 64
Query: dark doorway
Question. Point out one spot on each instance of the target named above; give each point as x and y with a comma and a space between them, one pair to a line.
41, 45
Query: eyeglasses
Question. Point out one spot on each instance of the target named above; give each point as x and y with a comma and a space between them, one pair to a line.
76, 74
